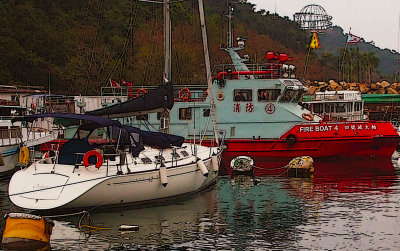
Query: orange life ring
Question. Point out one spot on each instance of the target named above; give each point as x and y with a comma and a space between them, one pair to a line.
205, 93
93, 153
308, 116
140, 92
220, 96
184, 93
32, 106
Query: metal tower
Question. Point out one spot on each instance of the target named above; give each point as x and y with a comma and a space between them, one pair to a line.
313, 17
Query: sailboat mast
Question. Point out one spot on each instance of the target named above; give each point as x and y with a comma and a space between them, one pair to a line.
208, 68
164, 118
167, 42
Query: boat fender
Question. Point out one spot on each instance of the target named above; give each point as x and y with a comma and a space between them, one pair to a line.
24, 155
291, 139
308, 116
140, 92
163, 176
214, 163
220, 96
184, 93
202, 167
95, 154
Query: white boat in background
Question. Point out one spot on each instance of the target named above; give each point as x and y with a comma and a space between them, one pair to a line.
14, 136
121, 164
344, 105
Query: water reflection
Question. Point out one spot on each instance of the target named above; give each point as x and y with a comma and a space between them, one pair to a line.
161, 226
330, 210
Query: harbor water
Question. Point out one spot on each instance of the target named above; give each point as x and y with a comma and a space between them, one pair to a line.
352, 205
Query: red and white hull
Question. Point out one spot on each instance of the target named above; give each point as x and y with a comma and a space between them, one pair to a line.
322, 140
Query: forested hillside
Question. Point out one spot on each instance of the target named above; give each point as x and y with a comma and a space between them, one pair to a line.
78, 46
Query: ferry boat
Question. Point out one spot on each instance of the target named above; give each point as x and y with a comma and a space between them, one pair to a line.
258, 108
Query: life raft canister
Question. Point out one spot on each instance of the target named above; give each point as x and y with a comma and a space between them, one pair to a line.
140, 92
95, 154
308, 116
184, 93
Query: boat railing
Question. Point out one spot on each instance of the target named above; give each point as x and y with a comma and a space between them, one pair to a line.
342, 117
117, 160
181, 92
255, 71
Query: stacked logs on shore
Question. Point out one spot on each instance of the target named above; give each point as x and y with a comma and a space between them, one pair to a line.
383, 87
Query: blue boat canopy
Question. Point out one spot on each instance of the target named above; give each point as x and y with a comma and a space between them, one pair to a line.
155, 101
128, 134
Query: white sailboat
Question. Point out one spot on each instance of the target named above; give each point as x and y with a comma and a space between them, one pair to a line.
107, 163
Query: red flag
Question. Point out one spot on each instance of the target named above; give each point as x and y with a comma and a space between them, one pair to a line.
114, 84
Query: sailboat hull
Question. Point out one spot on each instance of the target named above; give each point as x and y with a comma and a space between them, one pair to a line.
146, 188
90, 187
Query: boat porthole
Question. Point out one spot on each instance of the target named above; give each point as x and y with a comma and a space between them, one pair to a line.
291, 139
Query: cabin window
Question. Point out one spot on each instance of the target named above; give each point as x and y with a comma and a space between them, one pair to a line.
98, 134
185, 113
142, 117
349, 107
206, 112
340, 108
158, 115
287, 96
184, 153
317, 108
4, 133
329, 108
82, 134
357, 107
242, 95
265, 95
146, 160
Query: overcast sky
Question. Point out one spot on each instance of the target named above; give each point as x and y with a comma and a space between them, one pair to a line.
373, 20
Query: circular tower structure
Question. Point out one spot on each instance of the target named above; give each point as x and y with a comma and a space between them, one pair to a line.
313, 17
